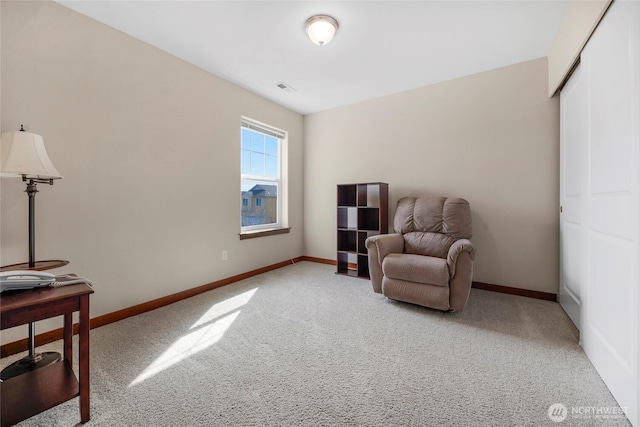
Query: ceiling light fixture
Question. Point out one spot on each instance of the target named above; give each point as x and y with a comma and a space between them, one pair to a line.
321, 29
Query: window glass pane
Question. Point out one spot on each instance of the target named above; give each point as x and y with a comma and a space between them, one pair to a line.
257, 142
272, 146
246, 162
257, 164
271, 164
246, 139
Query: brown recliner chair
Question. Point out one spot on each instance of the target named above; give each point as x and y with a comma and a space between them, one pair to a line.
430, 261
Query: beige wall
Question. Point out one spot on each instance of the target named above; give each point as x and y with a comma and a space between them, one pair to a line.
580, 21
149, 149
492, 138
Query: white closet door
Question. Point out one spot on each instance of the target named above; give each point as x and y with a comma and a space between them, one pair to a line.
609, 319
573, 149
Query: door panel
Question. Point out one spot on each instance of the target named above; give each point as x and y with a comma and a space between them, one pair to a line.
573, 144
611, 270
609, 328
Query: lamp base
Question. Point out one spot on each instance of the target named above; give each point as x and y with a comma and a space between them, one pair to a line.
30, 363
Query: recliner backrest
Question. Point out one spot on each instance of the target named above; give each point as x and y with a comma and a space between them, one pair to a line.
430, 224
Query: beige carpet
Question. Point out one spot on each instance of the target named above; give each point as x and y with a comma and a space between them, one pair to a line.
301, 346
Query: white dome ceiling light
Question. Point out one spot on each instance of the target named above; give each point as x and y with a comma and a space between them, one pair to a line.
321, 29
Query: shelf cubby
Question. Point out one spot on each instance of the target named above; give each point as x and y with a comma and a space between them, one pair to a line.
347, 240
348, 195
363, 266
369, 219
347, 218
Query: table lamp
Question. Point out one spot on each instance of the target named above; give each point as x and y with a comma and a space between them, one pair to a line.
27, 158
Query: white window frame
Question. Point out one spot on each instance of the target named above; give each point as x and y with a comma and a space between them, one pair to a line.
281, 136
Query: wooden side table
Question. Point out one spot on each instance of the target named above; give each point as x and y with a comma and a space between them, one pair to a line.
33, 392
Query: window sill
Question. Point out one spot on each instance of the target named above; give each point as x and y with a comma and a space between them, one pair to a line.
263, 233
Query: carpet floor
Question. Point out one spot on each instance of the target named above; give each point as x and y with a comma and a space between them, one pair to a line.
301, 346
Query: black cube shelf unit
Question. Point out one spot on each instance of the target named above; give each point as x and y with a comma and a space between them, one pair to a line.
362, 212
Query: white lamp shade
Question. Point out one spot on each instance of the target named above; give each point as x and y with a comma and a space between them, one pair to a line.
321, 29
26, 156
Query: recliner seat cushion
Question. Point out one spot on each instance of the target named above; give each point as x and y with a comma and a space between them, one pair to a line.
416, 268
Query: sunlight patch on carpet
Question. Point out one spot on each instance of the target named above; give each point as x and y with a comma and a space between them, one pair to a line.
224, 307
211, 327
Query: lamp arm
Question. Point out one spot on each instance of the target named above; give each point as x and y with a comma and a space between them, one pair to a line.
37, 180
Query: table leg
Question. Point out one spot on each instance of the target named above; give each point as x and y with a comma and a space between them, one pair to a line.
83, 339
68, 338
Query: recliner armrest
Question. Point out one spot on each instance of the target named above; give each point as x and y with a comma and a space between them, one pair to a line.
385, 244
378, 247
461, 245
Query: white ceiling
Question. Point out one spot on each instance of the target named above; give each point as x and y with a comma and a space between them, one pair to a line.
381, 47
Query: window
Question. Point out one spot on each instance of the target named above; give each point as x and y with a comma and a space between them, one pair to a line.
261, 177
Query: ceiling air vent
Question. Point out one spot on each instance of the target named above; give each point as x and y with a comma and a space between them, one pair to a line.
285, 87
